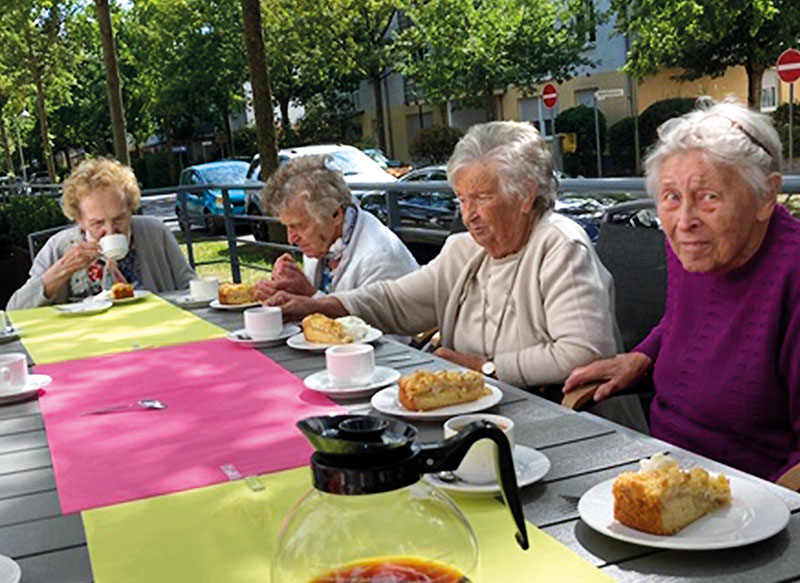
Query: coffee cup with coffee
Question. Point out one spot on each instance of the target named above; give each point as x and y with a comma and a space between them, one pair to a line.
114, 246
350, 365
263, 323
204, 288
13, 372
479, 465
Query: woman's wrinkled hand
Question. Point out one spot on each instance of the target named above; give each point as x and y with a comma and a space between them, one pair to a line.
287, 276
294, 307
80, 256
616, 374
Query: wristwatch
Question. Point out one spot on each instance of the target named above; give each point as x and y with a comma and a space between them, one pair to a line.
489, 369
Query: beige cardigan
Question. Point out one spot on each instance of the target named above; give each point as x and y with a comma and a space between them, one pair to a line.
560, 312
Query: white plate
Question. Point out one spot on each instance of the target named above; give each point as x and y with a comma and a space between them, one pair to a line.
9, 570
218, 306
31, 389
187, 301
84, 308
530, 466
382, 376
754, 514
241, 337
299, 340
386, 401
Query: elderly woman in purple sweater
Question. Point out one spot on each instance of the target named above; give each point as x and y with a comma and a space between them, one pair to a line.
725, 357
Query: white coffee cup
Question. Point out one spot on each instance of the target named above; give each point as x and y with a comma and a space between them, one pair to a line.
350, 365
204, 288
13, 372
114, 246
478, 466
263, 323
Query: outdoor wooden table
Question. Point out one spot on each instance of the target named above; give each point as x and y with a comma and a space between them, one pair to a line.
583, 449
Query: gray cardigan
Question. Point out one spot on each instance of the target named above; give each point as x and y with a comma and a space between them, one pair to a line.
163, 265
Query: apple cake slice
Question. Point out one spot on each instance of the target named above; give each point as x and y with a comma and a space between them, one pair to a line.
424, 390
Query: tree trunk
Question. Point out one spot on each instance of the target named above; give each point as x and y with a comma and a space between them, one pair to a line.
36, 74
229, 132
489, 104
377, 91
260, 82
286, 124
113, 87
6, 146
755, 72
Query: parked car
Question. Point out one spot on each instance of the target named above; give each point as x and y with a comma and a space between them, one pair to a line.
355, 165
206, 205
418, 208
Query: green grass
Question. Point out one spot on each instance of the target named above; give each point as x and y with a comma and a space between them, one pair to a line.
216, 250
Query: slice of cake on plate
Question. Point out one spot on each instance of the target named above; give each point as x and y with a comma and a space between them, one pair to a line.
425, 390
662, 499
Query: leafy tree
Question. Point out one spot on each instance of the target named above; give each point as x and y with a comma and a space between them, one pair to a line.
465, 50
659, 112
706, 37
37, 42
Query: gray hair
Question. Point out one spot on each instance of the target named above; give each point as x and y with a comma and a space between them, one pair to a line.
727, 133
313, 178
517, 152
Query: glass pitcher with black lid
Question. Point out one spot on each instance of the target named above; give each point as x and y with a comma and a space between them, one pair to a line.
369, 517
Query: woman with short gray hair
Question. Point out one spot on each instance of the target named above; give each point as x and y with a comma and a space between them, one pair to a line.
343, 247
725, 357
522, 296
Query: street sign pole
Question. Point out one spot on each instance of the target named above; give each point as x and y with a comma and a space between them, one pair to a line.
597, 139
788, 68
791, 123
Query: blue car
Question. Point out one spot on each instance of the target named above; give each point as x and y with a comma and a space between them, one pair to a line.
205, 205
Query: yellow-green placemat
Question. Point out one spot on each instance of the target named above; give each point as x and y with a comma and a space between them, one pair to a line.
228, 533
50, 336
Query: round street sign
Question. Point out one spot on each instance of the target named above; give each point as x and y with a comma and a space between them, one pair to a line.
549, 96
789, 65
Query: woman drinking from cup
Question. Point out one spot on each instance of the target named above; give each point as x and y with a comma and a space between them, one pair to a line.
725, 358
107, 245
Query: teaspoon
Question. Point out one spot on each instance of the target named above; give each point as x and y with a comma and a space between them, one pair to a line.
140, 404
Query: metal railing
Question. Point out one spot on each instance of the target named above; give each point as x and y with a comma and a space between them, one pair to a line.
632, 187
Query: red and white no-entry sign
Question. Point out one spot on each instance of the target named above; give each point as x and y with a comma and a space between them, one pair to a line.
549, 96
789, 65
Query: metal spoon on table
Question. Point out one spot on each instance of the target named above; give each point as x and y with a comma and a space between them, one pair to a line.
140, 404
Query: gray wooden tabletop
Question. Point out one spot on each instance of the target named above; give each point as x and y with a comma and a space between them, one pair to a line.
583, 449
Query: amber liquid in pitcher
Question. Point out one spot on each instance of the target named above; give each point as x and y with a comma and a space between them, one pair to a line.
394, 570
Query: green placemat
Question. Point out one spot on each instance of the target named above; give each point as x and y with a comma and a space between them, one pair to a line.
50, 336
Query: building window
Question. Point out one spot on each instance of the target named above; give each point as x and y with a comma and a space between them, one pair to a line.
769, 98
585, 97
412, 93
416, 121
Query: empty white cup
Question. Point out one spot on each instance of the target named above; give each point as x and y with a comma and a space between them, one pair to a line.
13, 372
263, 323
204, 288
478, 466
350, 365
114, 246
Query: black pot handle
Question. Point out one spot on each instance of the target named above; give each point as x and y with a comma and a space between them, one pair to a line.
447, 456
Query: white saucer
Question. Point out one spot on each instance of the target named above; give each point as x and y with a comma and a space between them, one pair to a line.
219, 306
299, 341
382, 376
9, 336
84, 308
30, 390
9, 570
530, 465
241, 337
386, 401
189, 302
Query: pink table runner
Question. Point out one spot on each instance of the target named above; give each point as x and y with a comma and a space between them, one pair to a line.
226, 405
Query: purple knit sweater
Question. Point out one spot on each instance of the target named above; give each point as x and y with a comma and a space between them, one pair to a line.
727, 357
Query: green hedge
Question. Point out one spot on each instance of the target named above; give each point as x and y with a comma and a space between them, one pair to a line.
781, 117
28, 214
622, 146
580, 121
434, 144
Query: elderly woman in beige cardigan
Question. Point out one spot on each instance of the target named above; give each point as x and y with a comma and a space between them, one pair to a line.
522, 296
